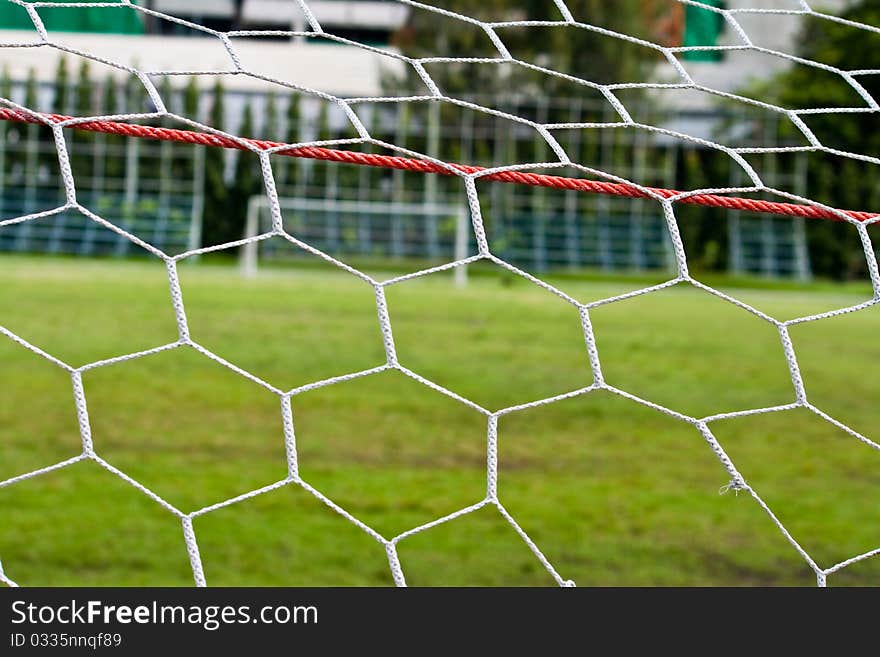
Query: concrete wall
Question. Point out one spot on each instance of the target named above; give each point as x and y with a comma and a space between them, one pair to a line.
282, 14
331, 68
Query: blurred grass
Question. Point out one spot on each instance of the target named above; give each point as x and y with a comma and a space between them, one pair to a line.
613, 492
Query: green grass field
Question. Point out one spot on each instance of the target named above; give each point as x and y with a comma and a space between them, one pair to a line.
613, 492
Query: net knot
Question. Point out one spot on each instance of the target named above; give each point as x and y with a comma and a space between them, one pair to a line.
735, 485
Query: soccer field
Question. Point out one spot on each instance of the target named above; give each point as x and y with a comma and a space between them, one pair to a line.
613, 492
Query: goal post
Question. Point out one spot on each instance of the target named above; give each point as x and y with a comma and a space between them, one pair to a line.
347, 227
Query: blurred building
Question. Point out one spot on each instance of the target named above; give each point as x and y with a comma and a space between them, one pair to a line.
367, 21
163, 43
168, 44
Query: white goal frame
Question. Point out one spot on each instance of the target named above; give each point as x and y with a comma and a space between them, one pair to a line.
249, 256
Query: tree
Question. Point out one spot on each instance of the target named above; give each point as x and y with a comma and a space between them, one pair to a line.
59, 99
270, 119
82, 141
247, 180
844, 182
575, 51
293, 119
218, 226
191, 99
318, 170
703, 234
5, 84
288, 169
30, 89
114, 163
36, 153
166, 93
271, 132
183, 163
84, 90
5, 92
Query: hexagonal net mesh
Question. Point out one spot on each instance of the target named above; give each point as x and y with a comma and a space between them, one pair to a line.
366, 149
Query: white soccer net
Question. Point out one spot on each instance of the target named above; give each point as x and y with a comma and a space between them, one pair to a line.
668, 74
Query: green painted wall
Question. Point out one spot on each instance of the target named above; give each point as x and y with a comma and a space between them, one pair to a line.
108, 20
703, 27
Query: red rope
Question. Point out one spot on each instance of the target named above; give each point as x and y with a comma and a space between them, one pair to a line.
423, 166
